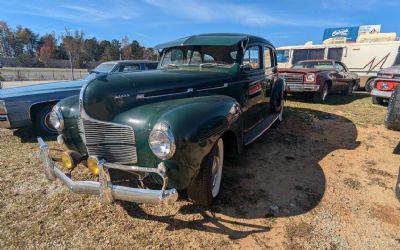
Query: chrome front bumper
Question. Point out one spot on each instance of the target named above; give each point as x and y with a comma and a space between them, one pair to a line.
382, 94
299, 87
104, 188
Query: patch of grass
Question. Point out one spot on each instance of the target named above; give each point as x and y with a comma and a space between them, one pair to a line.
378, 181
375, 171
297, 233
358, 108
351, 183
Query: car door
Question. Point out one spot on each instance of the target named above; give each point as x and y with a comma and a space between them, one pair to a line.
253, 92
270, 71
342, 77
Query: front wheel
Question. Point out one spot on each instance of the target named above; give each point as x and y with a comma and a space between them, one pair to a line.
320, 97
42, 121
207, 184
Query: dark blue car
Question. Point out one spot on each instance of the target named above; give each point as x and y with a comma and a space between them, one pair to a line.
24, 106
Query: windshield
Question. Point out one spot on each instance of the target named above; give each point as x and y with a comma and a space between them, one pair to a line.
200, 56
313, 65
282, 56
102, 68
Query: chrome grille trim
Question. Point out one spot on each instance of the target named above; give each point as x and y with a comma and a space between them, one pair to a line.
113, 142
292, 77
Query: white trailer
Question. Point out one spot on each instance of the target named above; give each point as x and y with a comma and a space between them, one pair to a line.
365, 59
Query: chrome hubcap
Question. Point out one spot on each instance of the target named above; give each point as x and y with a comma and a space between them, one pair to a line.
47, 123
216, 173
325, 93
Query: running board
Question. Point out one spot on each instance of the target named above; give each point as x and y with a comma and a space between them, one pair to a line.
259, 129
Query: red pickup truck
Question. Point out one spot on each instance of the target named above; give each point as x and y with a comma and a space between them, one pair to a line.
319, 77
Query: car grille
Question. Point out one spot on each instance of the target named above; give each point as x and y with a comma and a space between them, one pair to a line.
292, 77
113, 142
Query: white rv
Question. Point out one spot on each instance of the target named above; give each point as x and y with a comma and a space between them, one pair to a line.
365, 58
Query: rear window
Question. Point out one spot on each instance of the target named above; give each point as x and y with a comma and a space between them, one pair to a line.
307, 54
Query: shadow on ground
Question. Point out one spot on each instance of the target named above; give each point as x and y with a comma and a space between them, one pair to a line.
28, 134
278, 175
332, 99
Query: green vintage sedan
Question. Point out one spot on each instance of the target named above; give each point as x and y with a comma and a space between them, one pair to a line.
168, 129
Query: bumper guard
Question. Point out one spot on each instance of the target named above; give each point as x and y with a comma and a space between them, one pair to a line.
104, 188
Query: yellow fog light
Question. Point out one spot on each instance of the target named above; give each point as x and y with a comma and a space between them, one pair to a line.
70, 159
93, 165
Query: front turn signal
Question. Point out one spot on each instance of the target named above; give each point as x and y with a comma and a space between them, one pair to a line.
70, 159
93, 165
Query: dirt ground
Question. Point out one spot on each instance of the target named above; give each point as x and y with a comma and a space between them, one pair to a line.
325, 178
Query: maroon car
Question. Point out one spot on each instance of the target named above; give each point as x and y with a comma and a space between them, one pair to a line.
319, 77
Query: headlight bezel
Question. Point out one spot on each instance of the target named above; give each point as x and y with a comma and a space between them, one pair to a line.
56, 118
310, 78
163, 131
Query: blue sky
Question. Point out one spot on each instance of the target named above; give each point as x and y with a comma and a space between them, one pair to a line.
283, 22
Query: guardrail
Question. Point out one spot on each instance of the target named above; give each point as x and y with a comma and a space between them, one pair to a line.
38, 74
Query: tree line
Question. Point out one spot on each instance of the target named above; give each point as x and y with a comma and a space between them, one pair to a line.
34, 50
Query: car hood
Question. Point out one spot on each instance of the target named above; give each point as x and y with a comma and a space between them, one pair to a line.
108, 95
41, 88
303, 71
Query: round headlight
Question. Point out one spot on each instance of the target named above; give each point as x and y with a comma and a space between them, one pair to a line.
162, 141
56, 118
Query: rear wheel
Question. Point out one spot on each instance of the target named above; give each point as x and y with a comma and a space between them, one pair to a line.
320, 97
377, 100
392, 119
207, 184
348, 90
42, 121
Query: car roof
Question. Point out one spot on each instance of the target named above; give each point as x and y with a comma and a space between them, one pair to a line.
131, 61
224, 39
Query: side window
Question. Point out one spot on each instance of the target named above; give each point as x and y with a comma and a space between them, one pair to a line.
129, 68
268, 58
173, 56
151, 66
339, 67
252, 58
195, 58
282, 56
208, 58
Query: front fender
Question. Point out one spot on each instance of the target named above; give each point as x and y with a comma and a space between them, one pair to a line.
71, 133
196, 123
